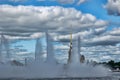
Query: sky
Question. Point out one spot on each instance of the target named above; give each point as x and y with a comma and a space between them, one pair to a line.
22, 22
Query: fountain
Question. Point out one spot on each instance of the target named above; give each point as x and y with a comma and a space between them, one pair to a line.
38, 50
4, 46
50, 52
50, 70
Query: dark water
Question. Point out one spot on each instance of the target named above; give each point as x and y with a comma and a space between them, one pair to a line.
95, 78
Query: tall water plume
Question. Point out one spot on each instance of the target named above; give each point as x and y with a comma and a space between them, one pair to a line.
50, 49
38, 50
4, 46
49, 69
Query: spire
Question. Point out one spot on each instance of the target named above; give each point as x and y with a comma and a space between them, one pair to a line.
71, 37
79, 45
1, 49
70, 49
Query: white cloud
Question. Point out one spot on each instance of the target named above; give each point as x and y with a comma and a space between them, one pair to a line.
20, 36
81, 1
78, 2
27, 20
113, 7
17, 0
62, 47
66, 1
103, 40
100, 36
115, 32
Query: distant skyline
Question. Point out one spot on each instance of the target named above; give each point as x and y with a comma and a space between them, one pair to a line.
97, 22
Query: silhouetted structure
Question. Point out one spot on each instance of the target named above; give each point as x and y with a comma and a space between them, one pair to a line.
82, 59
16, 63
70, 50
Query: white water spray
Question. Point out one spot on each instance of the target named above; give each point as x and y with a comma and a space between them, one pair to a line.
50, 50
4, 46
50, 69
38, 50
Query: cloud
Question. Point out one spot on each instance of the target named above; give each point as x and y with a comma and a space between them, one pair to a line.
115, 32
113, 7
17, 0
107, 38
103, 40
81, 1
77, 2
20, 36
93, 37
85, 35
23, 21
66, 1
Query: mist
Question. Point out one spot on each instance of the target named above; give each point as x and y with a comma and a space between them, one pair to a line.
38, 68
